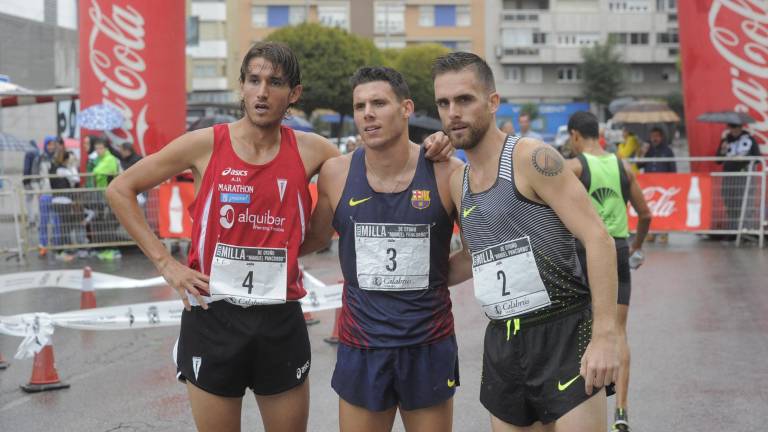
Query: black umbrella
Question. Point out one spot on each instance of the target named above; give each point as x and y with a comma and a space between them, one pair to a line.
425, 122
729, 117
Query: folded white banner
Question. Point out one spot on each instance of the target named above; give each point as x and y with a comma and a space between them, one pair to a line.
71, 279
37, 328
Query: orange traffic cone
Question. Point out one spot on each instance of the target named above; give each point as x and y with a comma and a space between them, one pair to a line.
87, 295
3, 362
44, 375
333, 339
309, 319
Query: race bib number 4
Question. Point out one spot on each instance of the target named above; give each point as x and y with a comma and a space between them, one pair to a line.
392, 257
507, 280
248, 276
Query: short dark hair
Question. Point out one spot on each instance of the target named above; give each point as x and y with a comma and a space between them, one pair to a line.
281, 57
659, 130
367, 74
127, 145
585, 123
458, 61
99, 140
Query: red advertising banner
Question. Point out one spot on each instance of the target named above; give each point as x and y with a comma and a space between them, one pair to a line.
678, 202
132, 56
724, 47
173, 217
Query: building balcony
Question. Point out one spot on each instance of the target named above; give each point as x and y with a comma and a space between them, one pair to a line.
209, 11
522, 18
211, 49
209, 83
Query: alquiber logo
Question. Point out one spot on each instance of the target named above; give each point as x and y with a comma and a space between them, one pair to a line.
263, 221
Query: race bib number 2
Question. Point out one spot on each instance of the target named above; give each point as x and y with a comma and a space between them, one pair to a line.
392, 257
248, 276
507, 280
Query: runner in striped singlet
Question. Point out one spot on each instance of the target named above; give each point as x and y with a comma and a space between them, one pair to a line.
550, 346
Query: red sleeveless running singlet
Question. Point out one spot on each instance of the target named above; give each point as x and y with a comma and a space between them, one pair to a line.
242, 204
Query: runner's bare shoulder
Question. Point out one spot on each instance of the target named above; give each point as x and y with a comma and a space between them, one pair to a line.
314, 150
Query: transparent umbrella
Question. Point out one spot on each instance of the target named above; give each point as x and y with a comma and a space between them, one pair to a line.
101, 117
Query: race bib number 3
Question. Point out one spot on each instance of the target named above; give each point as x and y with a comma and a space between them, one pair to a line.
507, 280
392, 257
248, 276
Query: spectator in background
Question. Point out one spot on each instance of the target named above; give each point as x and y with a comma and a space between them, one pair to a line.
31, 168
63, 178
351, 144
525, 127
508, 128
629, 148
48, 218
658, 148
128, 157
737, 142
106, 166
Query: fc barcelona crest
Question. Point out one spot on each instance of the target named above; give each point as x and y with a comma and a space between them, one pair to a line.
420, 199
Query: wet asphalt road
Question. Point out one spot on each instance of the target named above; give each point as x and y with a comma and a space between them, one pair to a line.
698, 330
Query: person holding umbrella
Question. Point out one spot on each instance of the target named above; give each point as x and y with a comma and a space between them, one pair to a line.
737, 142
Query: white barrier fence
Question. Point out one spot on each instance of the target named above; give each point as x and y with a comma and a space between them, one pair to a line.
37, 327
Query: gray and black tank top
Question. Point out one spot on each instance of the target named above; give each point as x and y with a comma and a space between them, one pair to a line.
502, 214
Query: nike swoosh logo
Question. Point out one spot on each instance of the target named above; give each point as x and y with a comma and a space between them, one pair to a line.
353, 202
562, 387
451, 383
469, 210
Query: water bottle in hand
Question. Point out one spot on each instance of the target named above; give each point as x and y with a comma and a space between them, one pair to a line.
636, 259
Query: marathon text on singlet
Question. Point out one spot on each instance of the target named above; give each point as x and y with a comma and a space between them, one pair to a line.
392, 257
507, 280
248, 276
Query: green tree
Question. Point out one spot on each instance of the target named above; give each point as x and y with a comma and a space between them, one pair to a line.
531, 109
328, 57
415, 63
603, 73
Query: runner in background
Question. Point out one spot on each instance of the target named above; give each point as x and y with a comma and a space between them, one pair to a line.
610, 183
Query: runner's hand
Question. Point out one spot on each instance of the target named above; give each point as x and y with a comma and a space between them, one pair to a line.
185, 281
600, 363
438, 147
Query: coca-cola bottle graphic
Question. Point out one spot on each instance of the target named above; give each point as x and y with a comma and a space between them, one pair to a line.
175, 212
693, 217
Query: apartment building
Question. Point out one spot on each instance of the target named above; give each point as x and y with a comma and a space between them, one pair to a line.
534, 46
223, 30
212, 50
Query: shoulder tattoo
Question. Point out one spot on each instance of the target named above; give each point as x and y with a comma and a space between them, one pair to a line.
547, 161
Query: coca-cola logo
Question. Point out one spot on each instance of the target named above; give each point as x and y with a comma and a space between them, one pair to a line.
738, 29
661, 201
116, 61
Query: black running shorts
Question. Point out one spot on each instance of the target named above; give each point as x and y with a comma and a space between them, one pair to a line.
227, 348
622, 263
531, 370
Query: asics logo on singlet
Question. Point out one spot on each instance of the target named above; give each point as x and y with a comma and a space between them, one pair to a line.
234, 172
264, 221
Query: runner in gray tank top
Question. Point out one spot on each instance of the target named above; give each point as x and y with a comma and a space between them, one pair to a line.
550, 345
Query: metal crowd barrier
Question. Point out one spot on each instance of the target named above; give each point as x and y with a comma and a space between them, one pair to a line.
739, 199
75, 220
11, 243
